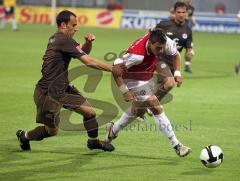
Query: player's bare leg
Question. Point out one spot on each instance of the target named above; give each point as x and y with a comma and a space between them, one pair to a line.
188, 58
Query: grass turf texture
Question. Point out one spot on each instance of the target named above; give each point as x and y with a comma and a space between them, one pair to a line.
204, 111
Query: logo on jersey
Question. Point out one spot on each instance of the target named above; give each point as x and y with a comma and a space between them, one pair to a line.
184, 35
163, 66
142, 93
169, 33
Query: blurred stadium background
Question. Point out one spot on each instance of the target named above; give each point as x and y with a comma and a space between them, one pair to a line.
204, 111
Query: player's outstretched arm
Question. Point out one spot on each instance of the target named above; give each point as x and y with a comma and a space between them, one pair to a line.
95, 63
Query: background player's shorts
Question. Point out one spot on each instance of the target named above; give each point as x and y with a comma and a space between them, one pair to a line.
48, 108
142, 89
9, 10
163, 71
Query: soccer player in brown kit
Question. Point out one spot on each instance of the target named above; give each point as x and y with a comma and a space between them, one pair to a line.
178, 30
53, 90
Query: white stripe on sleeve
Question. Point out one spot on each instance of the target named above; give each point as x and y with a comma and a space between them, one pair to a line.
132, 59
171, 47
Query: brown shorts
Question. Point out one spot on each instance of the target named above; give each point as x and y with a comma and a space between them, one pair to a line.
163, 71
48, 108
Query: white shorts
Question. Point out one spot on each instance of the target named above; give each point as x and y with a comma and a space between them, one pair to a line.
142, 89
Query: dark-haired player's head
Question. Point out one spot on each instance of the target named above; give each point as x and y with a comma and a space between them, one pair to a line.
181, 12
157, 41
67, 23
180, 4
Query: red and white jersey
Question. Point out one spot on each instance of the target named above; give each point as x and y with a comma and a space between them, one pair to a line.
140, 63
2, 13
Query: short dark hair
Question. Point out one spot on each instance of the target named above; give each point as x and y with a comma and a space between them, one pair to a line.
180, 4
157, 35
64, 17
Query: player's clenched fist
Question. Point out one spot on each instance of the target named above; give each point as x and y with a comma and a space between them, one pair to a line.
89, 38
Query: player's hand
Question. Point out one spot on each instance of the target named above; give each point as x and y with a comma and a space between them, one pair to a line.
179, 80
129, 96
89, 38
118, 70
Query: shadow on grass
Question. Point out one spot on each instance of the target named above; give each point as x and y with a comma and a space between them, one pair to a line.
39, 163
198, 171
69, 162
220, 75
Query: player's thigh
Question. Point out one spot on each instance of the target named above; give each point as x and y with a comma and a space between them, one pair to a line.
138, 108
73, 100
163, 72
141, 89
153, 104
165, 77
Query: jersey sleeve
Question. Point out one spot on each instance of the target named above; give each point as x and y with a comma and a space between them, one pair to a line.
171, 47
130, 60
71, 48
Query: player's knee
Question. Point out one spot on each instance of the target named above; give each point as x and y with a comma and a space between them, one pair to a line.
52, 131
156, 110
154, 105
169, 84
86, 112
90, 113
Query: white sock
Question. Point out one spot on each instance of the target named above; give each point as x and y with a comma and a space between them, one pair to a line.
187, 62
14, 24
166, 128
126, 118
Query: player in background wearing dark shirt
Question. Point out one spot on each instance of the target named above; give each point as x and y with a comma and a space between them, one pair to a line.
53, 90
178, 30
190, 17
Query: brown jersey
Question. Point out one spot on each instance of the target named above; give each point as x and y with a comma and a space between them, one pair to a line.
60, 50
181, 34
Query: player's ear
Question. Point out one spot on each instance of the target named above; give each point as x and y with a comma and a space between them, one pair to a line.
63, 25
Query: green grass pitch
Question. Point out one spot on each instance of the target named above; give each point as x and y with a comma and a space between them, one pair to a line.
205, 110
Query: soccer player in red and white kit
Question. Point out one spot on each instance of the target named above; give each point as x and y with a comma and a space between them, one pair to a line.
136, 84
